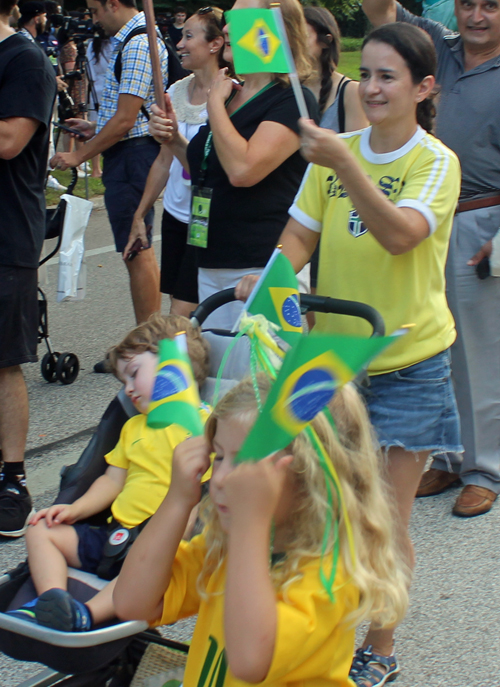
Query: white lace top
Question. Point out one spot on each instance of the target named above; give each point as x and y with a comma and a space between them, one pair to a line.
177, 196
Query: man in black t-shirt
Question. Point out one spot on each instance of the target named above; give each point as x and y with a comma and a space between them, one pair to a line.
27, 93
175, 29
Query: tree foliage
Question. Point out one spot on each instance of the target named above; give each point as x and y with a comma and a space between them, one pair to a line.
341, 9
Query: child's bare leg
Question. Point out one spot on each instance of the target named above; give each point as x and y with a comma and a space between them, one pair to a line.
101, 605
404, 470
50, 551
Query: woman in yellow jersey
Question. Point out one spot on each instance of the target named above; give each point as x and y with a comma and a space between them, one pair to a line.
253, 576
383, 201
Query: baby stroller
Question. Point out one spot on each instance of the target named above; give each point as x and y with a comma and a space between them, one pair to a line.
55, 366
109, 655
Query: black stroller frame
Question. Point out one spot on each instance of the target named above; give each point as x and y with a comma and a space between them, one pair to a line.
55, 366
108, 656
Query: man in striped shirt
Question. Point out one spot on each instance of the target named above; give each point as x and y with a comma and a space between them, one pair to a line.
121, 135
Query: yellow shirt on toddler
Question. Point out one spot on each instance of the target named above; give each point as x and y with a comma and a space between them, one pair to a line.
406, 289
314, 647
146, 454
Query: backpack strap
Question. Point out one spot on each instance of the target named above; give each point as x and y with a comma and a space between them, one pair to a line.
341, 108
118, 62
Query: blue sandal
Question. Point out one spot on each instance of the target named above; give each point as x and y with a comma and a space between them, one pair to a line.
365, 670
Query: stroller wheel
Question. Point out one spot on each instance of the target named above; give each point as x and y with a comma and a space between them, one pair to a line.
67, 368
48, 366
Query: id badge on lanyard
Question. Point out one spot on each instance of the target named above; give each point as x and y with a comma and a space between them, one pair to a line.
200, 213
201, 197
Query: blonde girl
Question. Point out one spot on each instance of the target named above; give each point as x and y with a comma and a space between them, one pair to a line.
253, 575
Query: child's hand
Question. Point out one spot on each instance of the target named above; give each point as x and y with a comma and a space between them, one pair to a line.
190, 462
56, 515
253, 490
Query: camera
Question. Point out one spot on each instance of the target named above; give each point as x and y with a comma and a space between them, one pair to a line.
75, 27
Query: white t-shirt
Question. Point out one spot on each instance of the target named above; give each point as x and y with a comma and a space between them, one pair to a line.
97, 72
177, 196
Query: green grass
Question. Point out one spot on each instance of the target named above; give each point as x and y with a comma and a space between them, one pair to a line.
349, 64
96, 187
351, 44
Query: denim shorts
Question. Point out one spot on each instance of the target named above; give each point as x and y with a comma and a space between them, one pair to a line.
415, 408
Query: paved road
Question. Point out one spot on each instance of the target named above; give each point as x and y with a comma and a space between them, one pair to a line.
451, 635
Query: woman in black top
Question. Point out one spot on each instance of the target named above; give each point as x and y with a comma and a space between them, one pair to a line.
250, 152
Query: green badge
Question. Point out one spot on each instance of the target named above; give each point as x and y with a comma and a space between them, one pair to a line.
200, 213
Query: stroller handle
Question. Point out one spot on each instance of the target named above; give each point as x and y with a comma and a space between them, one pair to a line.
337, 306
308, 303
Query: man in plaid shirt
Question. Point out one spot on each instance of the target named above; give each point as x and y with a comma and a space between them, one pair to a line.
121, 135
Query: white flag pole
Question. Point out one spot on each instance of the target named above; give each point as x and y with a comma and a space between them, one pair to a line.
294, 79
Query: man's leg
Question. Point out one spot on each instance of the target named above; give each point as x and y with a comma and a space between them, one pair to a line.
18, 340
475, 305
15, 502
124, 177
14, 412
144, 284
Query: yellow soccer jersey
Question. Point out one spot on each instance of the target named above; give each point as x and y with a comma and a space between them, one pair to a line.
406, 289
314, 648
146, 454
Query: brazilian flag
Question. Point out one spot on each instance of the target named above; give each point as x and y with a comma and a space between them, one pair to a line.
276, 296
175, 398
256, 42
311, 373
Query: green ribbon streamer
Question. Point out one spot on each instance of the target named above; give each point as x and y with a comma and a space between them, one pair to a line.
331, 522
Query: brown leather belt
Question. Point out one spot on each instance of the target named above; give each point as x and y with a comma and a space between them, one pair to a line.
466, 205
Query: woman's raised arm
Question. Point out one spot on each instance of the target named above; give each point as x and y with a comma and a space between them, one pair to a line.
398, 230
246, 162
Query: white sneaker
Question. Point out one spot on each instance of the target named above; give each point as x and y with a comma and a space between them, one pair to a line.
82, 171
54, 184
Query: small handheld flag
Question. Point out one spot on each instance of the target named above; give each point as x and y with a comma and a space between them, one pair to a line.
259, 44
256, 43
311, 373
276, 296
175, 398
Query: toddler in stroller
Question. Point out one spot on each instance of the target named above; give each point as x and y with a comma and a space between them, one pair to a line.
134, 484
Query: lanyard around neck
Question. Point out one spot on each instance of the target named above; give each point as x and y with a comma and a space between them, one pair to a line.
208, 142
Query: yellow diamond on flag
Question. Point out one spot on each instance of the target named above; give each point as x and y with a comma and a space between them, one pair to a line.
260, 41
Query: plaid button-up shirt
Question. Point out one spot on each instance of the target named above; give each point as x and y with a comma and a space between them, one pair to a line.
136, 77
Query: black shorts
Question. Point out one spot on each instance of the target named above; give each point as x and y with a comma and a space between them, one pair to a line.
18, 315
179, 265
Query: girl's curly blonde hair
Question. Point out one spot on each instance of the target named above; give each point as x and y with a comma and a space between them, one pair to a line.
378, 571
146, 337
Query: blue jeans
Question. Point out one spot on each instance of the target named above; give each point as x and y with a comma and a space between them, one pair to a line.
415, 408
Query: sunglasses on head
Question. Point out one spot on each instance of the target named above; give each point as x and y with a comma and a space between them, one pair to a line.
207, 10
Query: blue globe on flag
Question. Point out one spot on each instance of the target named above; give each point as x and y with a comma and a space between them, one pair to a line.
290, 311
311, 393
263, 41
170, 380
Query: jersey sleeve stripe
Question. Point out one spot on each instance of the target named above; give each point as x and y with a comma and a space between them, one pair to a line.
439, 169
424, 210
308, 222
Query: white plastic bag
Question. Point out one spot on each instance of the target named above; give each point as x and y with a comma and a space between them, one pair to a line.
72, 280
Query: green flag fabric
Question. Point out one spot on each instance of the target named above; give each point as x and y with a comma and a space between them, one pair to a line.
175, 398
256, 42
277, 298
311, 373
